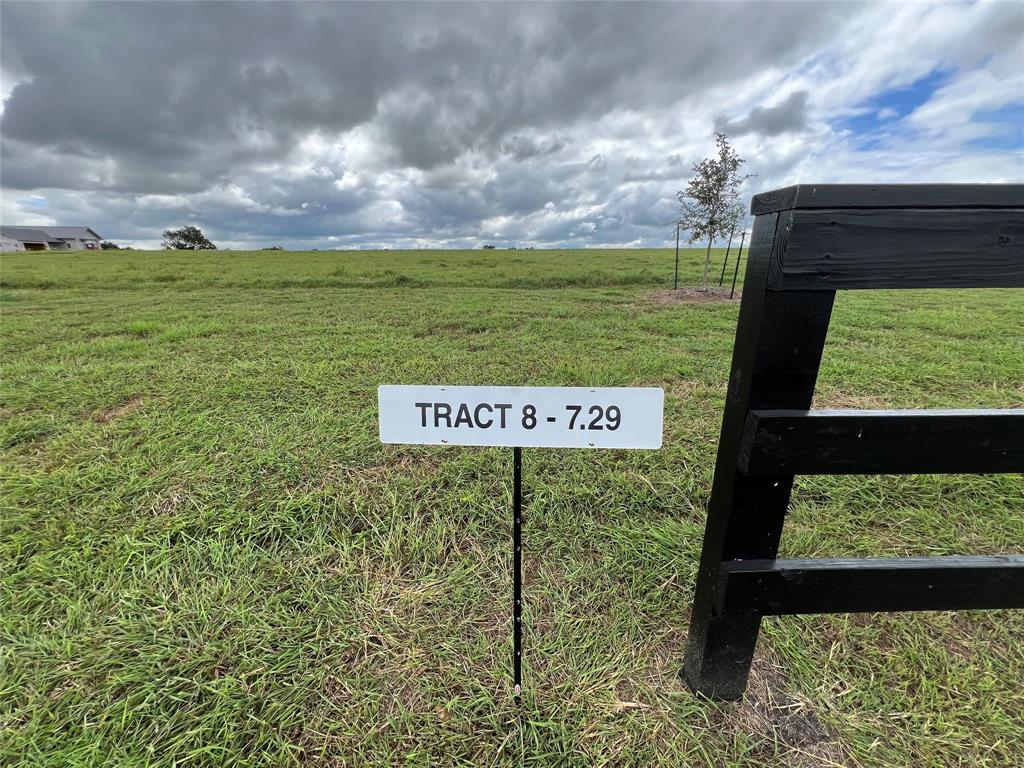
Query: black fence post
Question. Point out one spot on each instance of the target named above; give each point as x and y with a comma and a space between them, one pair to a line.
770, 369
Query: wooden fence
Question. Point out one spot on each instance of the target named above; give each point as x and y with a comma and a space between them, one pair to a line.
807, 243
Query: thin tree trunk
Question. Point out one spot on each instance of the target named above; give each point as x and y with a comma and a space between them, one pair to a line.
675, 279
707, 262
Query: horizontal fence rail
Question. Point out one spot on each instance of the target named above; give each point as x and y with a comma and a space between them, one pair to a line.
867, 249
851, 442
914, 196
851, 585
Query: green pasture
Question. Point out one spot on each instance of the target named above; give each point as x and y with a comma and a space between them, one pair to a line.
208, 558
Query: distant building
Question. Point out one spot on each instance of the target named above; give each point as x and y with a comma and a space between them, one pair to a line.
9, 244
49, 239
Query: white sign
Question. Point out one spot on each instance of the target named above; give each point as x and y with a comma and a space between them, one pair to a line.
525, 417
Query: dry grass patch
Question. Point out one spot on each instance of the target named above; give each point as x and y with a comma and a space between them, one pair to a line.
403, 464
123, 408
776, 720
827, 399
170, 502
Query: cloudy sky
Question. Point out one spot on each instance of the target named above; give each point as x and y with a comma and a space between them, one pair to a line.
427, 125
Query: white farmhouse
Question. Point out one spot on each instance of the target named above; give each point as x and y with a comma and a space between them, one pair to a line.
49, 239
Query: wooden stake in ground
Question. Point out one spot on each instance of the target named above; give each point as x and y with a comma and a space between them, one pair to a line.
725, 263
739, 258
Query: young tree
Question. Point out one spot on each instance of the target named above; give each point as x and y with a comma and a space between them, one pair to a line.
187, 238
711, 204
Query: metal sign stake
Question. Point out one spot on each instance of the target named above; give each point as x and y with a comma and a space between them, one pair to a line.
517, 571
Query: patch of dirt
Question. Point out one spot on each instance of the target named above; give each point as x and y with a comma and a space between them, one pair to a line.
171, 502
777, 719
695, 296
117, 411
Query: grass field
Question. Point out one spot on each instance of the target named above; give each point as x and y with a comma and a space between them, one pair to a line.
207, 557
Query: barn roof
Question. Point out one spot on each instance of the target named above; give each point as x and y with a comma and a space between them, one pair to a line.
27, 234
48, 234
79, 232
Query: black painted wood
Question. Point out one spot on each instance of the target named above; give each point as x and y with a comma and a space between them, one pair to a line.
809, 196
779, 341
847, 442
934, 236
841, 250
781, 587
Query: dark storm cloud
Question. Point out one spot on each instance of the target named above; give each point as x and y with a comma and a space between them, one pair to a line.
304, 121
167, 89
499, 69
788, 115
525, 147
167, 85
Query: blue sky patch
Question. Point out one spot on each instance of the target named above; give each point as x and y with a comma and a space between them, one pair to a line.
888, 106
33, 201
1008, 124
